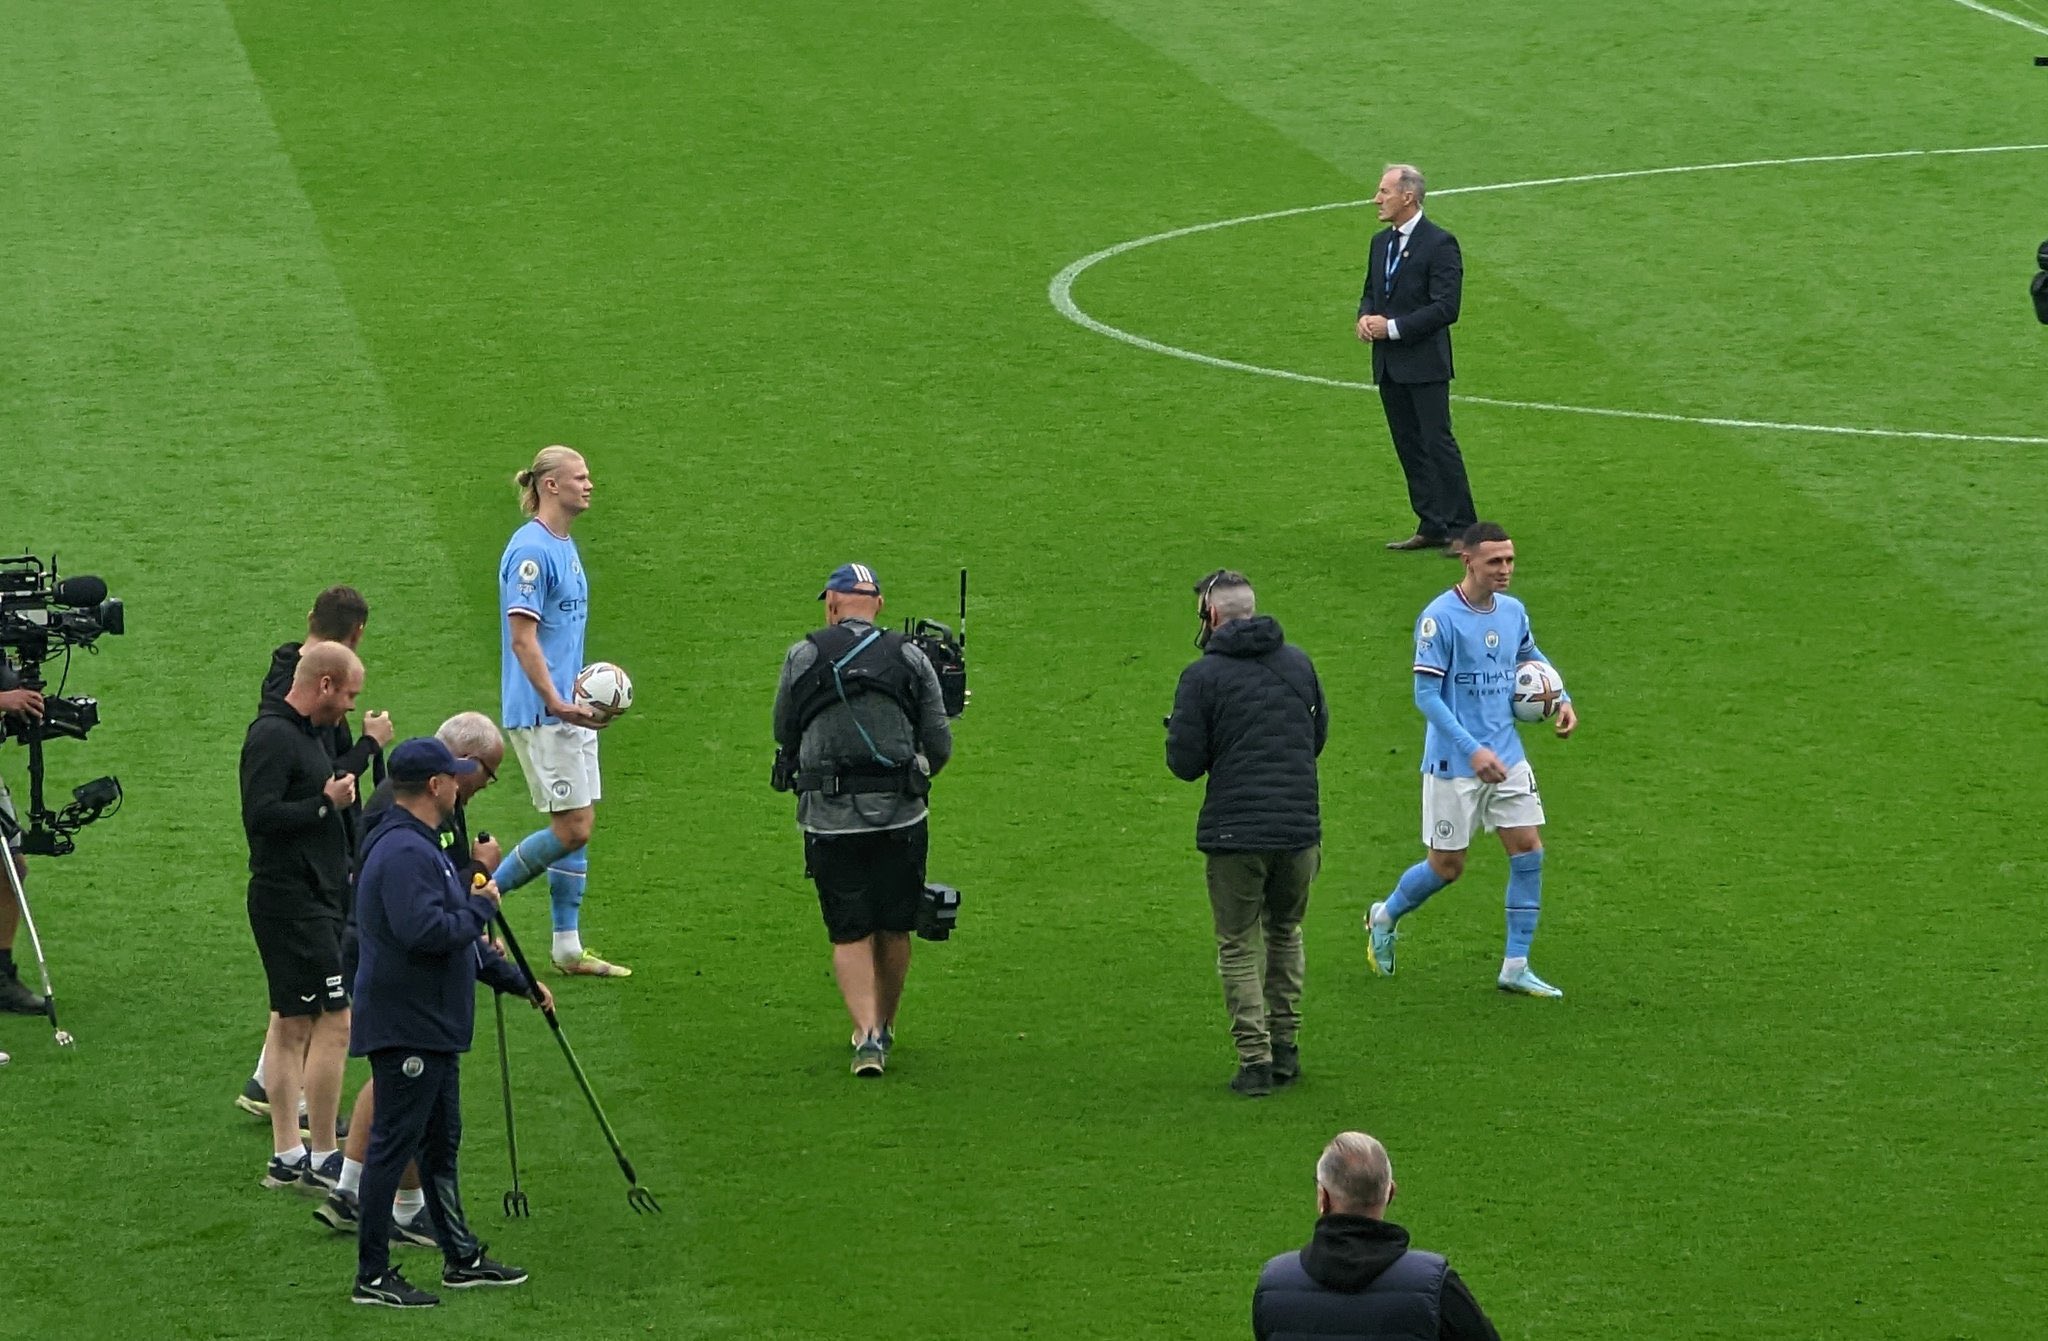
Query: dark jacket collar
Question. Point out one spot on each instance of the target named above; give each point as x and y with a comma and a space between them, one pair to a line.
1349, 1252
278, 707
1251, 637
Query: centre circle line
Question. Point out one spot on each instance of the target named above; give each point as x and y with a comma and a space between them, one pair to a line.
1061, 294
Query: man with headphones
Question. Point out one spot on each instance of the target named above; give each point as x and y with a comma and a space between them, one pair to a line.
1250, 714
860, 730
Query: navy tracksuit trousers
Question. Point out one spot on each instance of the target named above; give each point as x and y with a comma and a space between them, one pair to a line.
418, 1119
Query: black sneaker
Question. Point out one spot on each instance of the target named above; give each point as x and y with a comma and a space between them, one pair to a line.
417, 1232
1254, 1080
325, 1176
339, 1212
480, 1270
1286, 1064
284, 1173
17, 999
252, 1100
393, 1291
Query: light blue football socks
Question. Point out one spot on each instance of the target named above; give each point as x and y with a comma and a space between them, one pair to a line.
566, 876
1417, 883
536, 853
1525, 901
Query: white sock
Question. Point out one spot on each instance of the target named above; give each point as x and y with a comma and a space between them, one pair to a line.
568, 945
295, 1155
258, 1077
320, 1157
351, 1175
1510, 967
409, 1203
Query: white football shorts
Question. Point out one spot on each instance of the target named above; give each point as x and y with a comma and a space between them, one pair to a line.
560, 763
1451, 807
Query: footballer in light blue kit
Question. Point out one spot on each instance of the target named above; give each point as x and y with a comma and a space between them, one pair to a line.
1468, 643
544, 608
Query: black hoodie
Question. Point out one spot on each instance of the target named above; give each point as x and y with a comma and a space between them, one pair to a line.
1350, 1252
298, 842
1251, 715
351, 756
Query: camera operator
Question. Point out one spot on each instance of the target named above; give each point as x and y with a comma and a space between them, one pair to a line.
27, 705
339, 615
1250, 713
293, 799
860, 729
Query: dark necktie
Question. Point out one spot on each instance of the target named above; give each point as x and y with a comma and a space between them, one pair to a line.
1394, 258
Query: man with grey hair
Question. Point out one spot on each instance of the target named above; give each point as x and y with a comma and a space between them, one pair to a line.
468, 736
1414, 279
1358, 1278
1250, 714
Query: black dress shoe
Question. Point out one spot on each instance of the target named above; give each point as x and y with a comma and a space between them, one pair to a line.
1417, 541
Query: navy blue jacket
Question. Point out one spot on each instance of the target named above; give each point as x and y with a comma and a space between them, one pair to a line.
421, 943
1358, 1280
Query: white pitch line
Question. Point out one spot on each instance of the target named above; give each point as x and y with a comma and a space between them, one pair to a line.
2013, 19
1061, 293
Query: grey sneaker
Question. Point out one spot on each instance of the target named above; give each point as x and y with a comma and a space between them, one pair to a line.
339, 1212
870, 1057
1254, 1080
1286, 1064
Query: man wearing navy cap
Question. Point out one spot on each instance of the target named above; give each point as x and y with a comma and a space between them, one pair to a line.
860, 728
421, 936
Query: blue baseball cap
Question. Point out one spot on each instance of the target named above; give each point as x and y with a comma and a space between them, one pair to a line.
425, 757
853, 578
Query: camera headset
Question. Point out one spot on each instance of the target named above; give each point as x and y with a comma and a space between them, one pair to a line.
1202, 590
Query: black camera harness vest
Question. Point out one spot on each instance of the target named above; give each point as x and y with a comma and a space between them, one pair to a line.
851, 666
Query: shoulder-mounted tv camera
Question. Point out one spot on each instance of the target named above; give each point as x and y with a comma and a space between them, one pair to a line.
946, 649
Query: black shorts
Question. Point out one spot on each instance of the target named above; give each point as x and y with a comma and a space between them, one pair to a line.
302, 963
867, 882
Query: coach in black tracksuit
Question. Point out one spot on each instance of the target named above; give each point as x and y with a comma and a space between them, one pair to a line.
422, 954
1414, 281
1250, 714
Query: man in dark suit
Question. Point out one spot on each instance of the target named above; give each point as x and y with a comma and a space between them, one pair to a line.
1413, 281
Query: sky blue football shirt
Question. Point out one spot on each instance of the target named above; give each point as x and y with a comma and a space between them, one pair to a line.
541, 577
1473, 654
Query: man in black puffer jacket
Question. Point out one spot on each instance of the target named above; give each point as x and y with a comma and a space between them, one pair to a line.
1250, 714
1358, 1280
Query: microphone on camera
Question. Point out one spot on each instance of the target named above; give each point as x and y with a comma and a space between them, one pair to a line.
79, 592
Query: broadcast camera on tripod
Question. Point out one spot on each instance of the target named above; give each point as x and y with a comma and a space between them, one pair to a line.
40, 616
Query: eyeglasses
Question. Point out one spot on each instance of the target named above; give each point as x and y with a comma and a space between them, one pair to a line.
490, 774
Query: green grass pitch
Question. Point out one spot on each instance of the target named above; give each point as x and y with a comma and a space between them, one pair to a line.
289, 290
